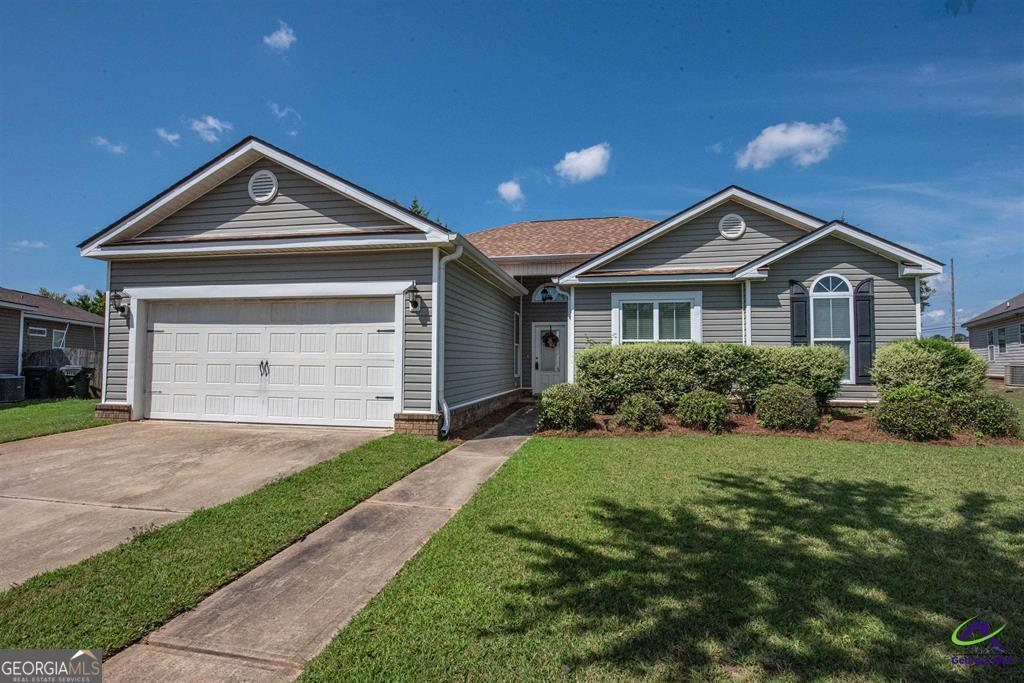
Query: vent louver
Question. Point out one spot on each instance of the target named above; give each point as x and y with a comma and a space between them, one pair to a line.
263, 187
732, 226
1014, 375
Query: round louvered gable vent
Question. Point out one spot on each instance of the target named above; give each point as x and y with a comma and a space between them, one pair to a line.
263, 187
732, 226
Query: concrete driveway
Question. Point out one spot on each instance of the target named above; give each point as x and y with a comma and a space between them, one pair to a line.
67, 496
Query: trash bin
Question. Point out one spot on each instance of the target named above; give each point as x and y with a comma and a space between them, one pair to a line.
77, 380
38, 382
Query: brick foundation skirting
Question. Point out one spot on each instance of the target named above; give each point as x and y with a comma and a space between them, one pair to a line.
113, 411
460, 417
421, 424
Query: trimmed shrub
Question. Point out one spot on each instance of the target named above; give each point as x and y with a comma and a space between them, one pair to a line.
667, 371
913, 412
995, 416
935, 364
565, 406
639, 412
703, 409
787, 406
962, 409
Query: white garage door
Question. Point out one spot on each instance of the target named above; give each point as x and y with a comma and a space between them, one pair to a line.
286, 361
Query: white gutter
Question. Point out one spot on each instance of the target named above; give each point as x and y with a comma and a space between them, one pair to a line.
439, 324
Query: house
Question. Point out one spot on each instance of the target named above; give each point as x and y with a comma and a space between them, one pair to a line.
262, 288
997, 335
29, 323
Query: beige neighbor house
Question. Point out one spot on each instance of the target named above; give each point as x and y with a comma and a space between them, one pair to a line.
997, 335
262, 288
30, 323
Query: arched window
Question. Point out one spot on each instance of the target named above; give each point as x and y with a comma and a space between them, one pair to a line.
547, 294
832, 316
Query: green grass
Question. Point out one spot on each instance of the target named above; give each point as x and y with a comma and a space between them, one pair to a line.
49, 416
115, 598
704, 558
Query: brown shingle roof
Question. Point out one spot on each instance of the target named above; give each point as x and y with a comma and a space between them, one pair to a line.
565, 236
45, 306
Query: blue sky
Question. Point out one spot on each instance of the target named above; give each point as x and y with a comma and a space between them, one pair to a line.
904, 117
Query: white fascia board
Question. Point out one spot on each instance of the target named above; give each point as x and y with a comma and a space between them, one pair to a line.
264, 246
252, 149
506, 281
646, 279
541, 257
729, 194
279, 291
854, 236
52, 318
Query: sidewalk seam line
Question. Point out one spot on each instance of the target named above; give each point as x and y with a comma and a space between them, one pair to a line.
96, 505
266, 661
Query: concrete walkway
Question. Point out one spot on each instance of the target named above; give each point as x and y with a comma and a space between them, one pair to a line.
268, 623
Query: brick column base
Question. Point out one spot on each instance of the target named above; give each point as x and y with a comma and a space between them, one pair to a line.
113, 411
421, 424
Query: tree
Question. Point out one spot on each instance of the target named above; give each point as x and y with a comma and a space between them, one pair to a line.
94, 303
926, 293
56, 296
421, 211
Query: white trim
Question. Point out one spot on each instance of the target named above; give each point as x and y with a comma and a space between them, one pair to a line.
235, 162
748, 330
693, 297
503, 279
55, 319
278, 291
106, 339
570, 372
534, 326
45, 331
858, 237
263, 172
917, 303
517, 345
521, 373
654, 277
63, 340
536, 290
480, 400
21, 338
399, 352
848, 295
721, 227
439, 343
297, 243
433, 329
774, 209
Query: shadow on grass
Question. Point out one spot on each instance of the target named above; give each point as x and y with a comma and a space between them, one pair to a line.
767, 576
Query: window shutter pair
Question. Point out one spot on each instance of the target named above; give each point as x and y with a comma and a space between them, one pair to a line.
863, 324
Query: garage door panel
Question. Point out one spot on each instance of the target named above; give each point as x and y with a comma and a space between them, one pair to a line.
324, 363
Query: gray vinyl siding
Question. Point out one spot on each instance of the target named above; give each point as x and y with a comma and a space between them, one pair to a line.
698, 242
301, 205
895, 308
78, 337
554, 312
722, 311
1014, 354
414, 265
478, 337
9, 319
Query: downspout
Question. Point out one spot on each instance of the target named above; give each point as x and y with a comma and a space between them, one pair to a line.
439, 321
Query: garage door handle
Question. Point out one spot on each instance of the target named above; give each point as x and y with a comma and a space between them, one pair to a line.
383, 398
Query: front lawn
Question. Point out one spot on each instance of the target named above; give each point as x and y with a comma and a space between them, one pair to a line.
704, 558
47, 416
117, 597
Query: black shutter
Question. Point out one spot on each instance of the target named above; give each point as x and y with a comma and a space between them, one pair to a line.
799, 314
864, 329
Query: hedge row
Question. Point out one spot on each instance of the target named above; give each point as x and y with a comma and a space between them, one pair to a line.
666, 372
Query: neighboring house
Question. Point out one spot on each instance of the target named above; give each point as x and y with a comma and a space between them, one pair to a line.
997, 335
261, 288
29, 323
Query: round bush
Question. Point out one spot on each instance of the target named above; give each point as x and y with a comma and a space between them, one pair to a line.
962, 409
565, 406
995, 416
787, 406
935, 364
639, 412
703, 409
914, 412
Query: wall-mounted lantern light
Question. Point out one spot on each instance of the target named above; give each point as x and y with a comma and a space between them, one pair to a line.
413, 302
118, 302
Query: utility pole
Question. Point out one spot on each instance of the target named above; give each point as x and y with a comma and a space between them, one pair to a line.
952, 300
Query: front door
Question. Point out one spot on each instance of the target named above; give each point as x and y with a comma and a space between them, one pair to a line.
549, 355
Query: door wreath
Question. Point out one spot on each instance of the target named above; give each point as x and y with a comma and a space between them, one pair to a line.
549, 339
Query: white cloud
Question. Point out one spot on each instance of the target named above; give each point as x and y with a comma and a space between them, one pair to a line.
803, 143
118, 149
716, 148
291, 133
21, 245
511, 193
585, 164
79, 289
283, 112
168, 137
281, 39
209, 128
934, 316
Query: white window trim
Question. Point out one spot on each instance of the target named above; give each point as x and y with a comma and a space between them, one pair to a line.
561, 293
37, 331
517, 344
63, 339
848, 295
694, 298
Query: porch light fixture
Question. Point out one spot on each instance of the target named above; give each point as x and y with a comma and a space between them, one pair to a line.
413, 301
118, 302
